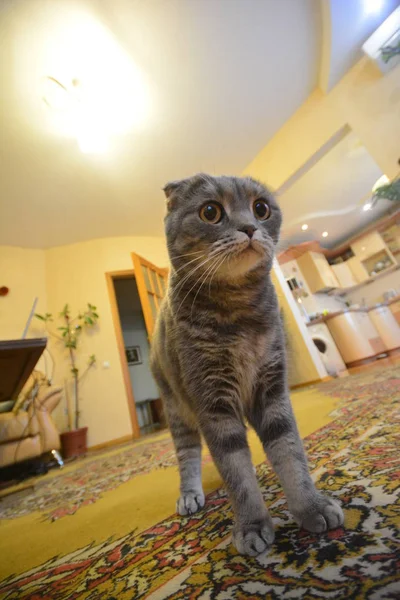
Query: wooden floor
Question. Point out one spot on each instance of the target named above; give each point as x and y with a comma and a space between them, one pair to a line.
379, 363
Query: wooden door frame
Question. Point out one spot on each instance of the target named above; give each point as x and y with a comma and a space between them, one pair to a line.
111, 276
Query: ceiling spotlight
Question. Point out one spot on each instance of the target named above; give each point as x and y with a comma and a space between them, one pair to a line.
325, 234
304, 227
367, 206
372, 6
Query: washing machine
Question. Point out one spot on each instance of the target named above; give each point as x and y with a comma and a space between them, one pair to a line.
327, 348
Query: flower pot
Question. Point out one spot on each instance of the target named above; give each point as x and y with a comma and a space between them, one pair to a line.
74, 443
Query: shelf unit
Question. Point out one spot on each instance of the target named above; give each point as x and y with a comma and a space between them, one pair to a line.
343, 291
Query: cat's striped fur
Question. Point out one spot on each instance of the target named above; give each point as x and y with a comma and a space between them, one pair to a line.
218, 356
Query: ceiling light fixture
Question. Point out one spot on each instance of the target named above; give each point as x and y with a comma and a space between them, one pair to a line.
304, 227
55, 94
325, 234
69, 100
94, 91
372, 7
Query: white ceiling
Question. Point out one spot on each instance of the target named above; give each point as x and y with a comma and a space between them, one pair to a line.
347, 24
330, 195
221, 78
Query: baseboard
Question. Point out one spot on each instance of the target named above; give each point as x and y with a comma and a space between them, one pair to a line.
366, 361
312, 382
394, 352
115, 442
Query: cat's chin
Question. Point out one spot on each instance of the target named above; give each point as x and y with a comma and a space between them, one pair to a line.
241, 264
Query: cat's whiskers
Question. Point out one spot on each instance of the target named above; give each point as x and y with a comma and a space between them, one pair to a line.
209, 271
197, 280
188, 263
184, 255
224, 258
188, 275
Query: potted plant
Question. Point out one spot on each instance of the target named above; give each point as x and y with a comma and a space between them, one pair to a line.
73, 441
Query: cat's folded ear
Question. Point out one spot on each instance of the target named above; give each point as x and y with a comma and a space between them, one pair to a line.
172, 187
175, 189
171, 191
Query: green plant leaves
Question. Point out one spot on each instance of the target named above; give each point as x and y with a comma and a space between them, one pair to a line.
390, 191
65, 312
46, 317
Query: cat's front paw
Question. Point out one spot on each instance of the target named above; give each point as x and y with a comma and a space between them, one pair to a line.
322, 515
253, 538
190, 502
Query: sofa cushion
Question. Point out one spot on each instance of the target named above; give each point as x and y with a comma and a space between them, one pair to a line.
6, 406
16, 427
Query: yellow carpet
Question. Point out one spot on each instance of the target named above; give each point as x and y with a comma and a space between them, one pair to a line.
136, 504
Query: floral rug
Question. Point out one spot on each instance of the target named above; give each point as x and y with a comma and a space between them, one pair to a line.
355, 458
84, 485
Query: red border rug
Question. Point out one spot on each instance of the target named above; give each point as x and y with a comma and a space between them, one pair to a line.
356, 459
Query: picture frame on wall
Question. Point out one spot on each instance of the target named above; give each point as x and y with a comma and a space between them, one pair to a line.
133, 355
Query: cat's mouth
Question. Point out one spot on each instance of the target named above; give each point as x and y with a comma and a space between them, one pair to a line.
255, 246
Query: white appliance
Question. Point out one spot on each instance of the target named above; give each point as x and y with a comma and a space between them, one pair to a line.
327, 349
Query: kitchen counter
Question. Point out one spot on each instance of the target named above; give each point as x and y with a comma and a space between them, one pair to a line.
331, 315
364, 333
355, 334
392, 300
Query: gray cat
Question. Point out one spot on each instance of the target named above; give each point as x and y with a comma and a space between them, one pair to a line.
218, 355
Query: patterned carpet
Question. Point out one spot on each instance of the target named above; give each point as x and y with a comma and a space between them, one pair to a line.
355, 458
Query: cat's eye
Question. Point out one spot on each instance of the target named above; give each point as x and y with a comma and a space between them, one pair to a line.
261, 210
211, 213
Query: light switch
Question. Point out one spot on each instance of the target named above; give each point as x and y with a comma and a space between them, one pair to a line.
106, 364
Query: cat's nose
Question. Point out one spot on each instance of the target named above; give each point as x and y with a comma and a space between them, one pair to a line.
249, 229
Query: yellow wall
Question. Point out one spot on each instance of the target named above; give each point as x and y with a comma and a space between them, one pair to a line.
301, 136
364, 99
76, 275
23, 271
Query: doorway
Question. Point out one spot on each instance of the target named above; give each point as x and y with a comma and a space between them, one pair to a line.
145, 405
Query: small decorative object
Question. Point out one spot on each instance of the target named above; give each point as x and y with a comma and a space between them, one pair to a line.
133, 355
389, 51
4, 290
71, 329
383, 47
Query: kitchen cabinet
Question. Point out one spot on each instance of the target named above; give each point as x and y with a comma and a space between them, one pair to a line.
391, 236
344, 275
317, 272
395, 309
373, 254
368, 245
357, 268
